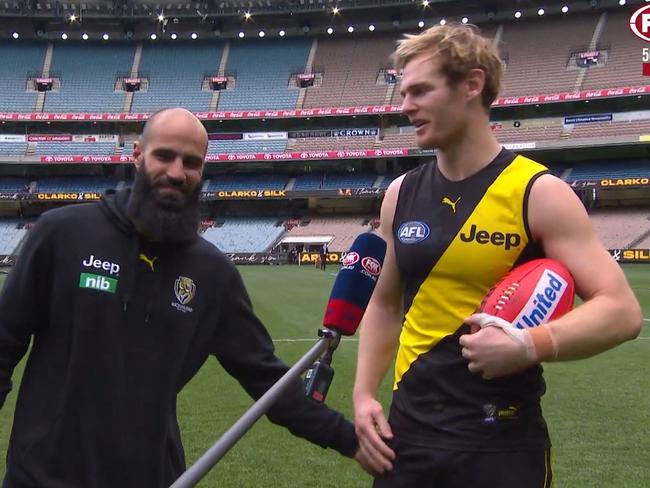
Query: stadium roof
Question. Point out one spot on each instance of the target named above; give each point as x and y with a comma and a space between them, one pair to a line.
226, 18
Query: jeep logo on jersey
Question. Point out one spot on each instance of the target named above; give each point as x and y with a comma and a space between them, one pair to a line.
508, 240
371, 265
640, 23
412, 232
184, 289
92, 262
543, 301
350, 259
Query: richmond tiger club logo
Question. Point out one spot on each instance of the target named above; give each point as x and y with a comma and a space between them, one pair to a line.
184, 289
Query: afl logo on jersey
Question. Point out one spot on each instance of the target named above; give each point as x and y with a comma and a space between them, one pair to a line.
413, 232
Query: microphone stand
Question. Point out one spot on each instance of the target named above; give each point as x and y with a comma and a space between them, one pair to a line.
329, 340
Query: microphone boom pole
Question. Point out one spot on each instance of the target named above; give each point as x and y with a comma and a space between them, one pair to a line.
329, 339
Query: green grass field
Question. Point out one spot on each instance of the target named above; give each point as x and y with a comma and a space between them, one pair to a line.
598, 410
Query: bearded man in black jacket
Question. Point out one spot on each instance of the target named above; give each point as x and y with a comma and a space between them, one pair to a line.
125, 302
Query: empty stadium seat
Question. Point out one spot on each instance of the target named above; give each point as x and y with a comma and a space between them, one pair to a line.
19, 61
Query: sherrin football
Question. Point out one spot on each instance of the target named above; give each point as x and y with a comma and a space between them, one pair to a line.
531, 294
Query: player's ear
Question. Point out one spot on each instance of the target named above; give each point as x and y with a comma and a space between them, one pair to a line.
475, 82
137, 154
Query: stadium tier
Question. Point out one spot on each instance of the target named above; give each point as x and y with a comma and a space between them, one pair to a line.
56, 184
350, 71
99, 148
333, 181
19, 63
610, 169
535, 69
245, 234
262, 70
88, 73
246, 182
620, 228
175, 75
12, 233
623, 56
338, 231
247, 146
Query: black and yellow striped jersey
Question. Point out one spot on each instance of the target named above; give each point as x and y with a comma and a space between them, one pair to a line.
453, 241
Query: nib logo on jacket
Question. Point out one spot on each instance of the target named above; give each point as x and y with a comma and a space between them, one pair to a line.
99, 282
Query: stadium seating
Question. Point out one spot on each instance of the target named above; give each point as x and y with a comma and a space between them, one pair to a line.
334, 143
262, 70
229, 182
623, 66
11, 233
13, 148
75, 184
611, 129
245, 234
246, 146
343, 230
9, 184
333, 181
350, 67
535, 68
88, 73
620, 227
99, 148
175, 74
610, 169
19, 61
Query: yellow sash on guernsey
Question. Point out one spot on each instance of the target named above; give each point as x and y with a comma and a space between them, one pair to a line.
481, 253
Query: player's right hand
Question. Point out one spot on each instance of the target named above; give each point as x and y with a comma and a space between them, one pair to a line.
373, 431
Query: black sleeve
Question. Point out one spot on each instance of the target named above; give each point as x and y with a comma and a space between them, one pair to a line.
21, 311
244, 348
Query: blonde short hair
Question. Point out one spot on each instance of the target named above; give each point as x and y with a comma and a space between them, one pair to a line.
460, 49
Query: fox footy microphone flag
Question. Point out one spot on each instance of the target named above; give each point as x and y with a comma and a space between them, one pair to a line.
354, 284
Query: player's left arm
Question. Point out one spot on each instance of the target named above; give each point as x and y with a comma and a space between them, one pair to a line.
610, 313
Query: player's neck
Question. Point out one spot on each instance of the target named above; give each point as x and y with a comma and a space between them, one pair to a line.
469, 154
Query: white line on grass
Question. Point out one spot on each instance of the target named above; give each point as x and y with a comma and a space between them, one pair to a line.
646, 320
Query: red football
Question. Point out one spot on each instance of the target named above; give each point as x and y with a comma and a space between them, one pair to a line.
532, 294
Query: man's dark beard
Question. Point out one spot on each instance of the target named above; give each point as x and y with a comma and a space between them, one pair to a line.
159, 218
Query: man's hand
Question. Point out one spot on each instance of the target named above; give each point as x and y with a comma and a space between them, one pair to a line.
371, 426
498, 348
